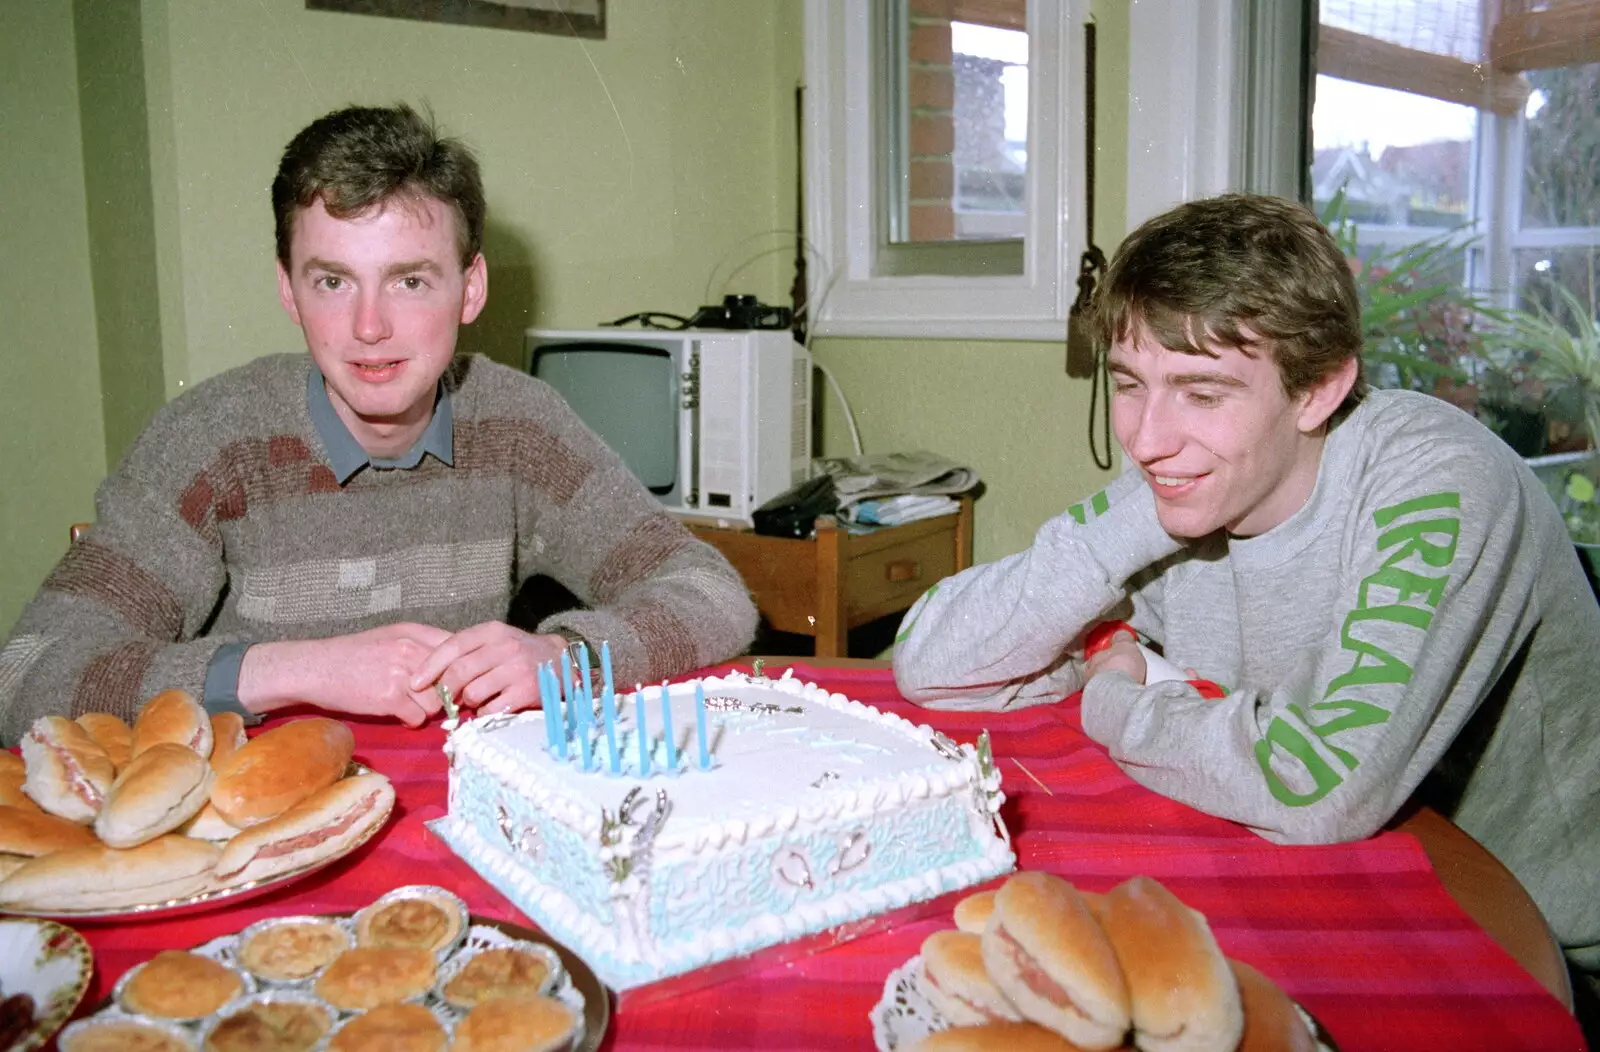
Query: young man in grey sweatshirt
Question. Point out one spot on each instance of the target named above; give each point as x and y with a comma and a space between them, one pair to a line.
1382, 587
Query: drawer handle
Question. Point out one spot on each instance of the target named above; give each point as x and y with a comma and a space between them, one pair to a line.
903, 570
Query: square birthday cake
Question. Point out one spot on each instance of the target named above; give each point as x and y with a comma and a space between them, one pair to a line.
674, 827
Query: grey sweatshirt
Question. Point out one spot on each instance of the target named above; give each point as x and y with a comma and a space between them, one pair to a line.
1423, 616
226, 524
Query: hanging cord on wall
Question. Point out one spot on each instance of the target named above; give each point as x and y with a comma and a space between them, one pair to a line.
1085, 357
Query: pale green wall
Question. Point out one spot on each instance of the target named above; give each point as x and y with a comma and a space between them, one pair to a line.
619, 173
52, 448
122, 234
1007, 410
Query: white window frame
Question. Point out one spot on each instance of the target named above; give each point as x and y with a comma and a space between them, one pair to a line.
850, 298
1186, 139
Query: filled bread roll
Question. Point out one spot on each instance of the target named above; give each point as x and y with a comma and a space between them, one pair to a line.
227, 736
1271, 1023
172, 716
956, 983
207, 824
11, 792
281, 767
113, 735
1182, 994
972, 913
68, 773
1045, 949
100, 877
29, 833
160, 789
311, 830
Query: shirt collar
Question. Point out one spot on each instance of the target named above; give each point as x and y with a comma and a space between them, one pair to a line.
345, 454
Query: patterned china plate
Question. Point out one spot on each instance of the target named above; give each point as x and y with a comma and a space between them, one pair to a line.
903, 1016
50, 963
213, 897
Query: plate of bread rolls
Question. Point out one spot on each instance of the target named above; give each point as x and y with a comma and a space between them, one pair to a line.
1038, 965
177, 812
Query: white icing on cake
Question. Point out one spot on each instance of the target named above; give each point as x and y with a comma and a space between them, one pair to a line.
819, 810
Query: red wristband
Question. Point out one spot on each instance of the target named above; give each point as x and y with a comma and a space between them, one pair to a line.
1101, 635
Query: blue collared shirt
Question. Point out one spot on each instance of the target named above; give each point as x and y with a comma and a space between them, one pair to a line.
346, 457
345, 454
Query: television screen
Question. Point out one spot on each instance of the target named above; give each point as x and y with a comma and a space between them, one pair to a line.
628, 394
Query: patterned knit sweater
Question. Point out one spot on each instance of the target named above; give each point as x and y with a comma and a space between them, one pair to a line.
225, 524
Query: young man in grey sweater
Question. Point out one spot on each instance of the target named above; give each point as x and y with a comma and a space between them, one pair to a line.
346, 529
1380, 585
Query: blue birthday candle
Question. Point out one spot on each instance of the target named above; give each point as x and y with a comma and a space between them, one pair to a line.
605, 665
666, 725
583, 666
700, 726
551, 710
644, 735
609, 704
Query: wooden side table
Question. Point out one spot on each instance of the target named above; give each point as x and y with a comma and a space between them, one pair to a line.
827, 585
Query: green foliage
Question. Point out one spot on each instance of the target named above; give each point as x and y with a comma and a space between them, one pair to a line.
1562, 353
1422, 328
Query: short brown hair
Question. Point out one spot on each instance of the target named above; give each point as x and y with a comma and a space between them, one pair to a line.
1243, 271
362, 156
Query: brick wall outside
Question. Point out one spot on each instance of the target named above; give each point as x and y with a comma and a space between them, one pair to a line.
931, 91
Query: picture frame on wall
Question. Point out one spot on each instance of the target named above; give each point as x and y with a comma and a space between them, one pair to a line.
577, 18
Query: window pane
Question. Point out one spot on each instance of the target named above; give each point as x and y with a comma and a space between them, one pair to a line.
956, 129
1542, 272
991, 130
1403, 161
1561, 185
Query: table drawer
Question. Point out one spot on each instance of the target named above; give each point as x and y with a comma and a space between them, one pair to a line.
889, 579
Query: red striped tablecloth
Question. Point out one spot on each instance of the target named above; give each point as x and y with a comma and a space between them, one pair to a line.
1364, 935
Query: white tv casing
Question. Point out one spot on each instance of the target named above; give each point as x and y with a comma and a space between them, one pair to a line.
743, 409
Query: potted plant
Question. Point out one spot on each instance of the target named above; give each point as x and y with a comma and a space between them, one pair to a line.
1562, 351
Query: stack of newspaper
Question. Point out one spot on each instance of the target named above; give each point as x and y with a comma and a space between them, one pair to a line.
888, 489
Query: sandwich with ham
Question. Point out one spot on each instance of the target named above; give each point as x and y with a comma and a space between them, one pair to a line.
227, 736
277, 769
955, 983
68, 773
29, 833
172, 716
1182, 994
317, 827
1045, 949
113, 735
160, 789
99, 877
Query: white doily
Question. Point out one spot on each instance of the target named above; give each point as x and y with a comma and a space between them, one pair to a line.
903, 1016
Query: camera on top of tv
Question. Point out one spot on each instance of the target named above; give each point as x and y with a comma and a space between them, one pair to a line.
741, 312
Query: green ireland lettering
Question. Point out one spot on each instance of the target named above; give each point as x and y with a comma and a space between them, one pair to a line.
1099, 503
1411, 536
1354, 714
1404, 584
1287, 737
1385, 667
1077, 512
1432, 502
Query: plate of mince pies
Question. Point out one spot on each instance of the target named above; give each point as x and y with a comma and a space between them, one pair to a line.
413, 971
